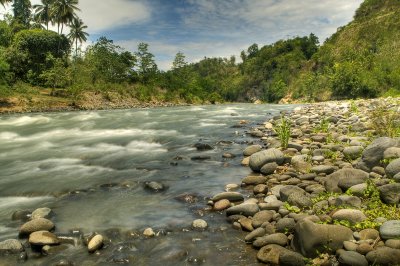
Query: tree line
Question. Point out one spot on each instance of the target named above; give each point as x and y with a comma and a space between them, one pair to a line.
35, 58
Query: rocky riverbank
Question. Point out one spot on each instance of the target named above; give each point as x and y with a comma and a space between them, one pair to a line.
331, 197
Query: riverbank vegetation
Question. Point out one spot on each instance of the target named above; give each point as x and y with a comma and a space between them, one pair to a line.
36, 64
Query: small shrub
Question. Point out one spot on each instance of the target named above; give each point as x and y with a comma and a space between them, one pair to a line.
283, 131
386, 122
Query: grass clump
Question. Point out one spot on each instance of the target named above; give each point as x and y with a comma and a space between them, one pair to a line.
385, 122
283, 131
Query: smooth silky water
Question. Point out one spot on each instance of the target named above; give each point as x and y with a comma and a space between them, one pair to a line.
90, 167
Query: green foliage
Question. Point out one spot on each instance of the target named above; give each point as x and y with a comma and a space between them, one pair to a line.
58, 75
22, 11
27, 55
323, 126
6, 34
146, 66
283, 131
386, 122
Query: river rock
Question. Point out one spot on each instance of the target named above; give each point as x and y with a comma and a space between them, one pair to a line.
295, 145
350, 215
203, 146
391, 153
261, 217
199, 224
41, 213
344, 179
269, 168
393, 243
369, 233
285, 191
300, 200
345, 200
393, 168
23, 215
276, 255
154, 186
353, 152
246, 224
285, 225
149, 232
323, 169
231, 196
41, 238
312, 239
222, 205
259, 159
254, 180
390, 230
390, 193
373, 154
12, 245
300, 163
95, 243
277, 239
384, 256
243, 209
352, 258
254, 234
251, 150
39, 224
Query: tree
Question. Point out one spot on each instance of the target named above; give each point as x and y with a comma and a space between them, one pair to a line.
63, 12
179, 61
77, 33
109, 62
22, 11
42, 12
147, 67
4, 2
29, 50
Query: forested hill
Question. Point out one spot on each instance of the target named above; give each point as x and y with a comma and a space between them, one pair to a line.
362, 59
39, 67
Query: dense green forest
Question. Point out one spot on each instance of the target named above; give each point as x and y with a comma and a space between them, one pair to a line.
360, 60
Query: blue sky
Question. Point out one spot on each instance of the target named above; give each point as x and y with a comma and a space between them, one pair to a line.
210, 28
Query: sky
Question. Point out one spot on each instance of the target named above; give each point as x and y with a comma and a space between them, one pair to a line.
211, 28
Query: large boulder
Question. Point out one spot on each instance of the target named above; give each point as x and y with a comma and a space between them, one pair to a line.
11, 245
350, 215
393, 168
312, 239
344, 178
250, 150
259, 159
373, 154
390, 193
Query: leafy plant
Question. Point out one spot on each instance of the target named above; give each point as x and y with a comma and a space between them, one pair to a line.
386, 122
283, 131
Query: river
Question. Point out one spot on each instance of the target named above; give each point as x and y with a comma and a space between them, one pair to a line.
90, 169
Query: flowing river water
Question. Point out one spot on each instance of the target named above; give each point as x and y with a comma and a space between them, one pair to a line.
90, 169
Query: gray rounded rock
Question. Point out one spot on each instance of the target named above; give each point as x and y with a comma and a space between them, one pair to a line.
41, 213
231, 196
350, 215
393, 168
243, 209
390, 230
259, 159
250, 150
259, 232
300, 200
323, 169
384, 256
269, 168
344, 179
373, 154
353, 152
390, 193
277, 239
286, 191
285, 225
352, 258
345, 200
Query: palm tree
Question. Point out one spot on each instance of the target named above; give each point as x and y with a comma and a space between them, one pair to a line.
42, 12
4, 2
63, 12
77, 33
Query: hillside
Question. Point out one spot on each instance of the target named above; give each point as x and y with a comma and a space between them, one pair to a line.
360, 60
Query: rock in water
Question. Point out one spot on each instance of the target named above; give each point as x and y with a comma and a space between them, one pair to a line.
95, 243
203, 146
12, 245
199, 224
312, 239
41, 213
41, 238
149, 232
39, 224
154, 186
243, 209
